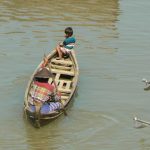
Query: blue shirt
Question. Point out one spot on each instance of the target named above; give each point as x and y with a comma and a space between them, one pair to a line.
69, 42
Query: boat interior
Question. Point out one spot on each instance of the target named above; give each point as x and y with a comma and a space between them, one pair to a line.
63, 71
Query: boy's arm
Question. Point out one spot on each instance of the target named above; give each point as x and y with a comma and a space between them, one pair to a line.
45, 61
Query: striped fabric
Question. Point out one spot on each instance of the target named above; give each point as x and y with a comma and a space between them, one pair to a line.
47, 107
39, 93
50, 107
70, 46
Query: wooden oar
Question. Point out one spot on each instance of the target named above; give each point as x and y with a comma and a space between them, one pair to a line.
38, 106
56, 88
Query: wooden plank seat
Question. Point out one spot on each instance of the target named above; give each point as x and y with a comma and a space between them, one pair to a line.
64, 97
64, 90
71, 73
62, 62
55, 66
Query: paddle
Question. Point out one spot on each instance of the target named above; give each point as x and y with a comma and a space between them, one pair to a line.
56, 88
38, 106
140, 123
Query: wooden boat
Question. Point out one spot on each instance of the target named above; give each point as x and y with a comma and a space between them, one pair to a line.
65, 75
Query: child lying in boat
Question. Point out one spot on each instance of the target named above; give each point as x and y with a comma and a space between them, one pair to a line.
44, 93
64, 48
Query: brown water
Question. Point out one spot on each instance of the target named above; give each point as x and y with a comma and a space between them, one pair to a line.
113, 55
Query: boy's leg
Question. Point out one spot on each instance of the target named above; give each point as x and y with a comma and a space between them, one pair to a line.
58, 49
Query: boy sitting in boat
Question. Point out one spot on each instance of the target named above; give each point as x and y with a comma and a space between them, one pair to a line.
64, 48
44, 94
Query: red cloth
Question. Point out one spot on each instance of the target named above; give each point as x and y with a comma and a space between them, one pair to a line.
45, 85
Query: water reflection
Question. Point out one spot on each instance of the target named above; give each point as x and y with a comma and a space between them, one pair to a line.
44, 16
97, 13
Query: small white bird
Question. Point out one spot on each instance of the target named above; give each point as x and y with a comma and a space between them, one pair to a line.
145, 80
135, 118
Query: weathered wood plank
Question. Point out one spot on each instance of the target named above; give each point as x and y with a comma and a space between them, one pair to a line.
64, 97
64, 90
71, 73
61, 67
63, 62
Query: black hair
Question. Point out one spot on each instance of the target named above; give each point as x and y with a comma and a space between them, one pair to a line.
69, 31
43, 80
